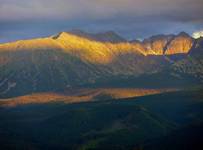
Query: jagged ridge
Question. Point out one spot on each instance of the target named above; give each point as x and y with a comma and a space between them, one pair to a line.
108, 42
68, 60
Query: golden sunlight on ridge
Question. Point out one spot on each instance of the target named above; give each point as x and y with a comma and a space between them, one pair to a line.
87, 50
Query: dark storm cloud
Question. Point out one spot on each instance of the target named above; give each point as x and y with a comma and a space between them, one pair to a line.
190, 10
132, 18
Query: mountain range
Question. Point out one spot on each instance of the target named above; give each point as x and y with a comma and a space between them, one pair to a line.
98, 91
80, 59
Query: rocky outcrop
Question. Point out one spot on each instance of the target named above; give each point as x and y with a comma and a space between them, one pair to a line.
155, 45
180, 44
168, 44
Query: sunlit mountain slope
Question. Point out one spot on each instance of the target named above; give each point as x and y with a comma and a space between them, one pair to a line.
71, 59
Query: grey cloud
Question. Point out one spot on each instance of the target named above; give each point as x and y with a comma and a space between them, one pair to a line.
131, 18
104, 9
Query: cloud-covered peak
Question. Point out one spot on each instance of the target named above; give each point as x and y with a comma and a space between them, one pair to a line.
197, 34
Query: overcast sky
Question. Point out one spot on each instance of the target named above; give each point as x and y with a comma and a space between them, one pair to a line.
22, 19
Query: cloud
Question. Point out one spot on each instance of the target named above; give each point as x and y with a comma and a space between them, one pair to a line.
184, 10
140, 18
197, 34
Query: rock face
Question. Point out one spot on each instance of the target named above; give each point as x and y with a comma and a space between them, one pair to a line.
155, 45
180, 44
168, 44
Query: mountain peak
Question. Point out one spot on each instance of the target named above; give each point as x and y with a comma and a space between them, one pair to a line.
60, 34
106, 41
183, 34
109, 36
182, 43
156, 44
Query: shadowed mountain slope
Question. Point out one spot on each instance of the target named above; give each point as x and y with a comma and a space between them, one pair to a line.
109, 36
